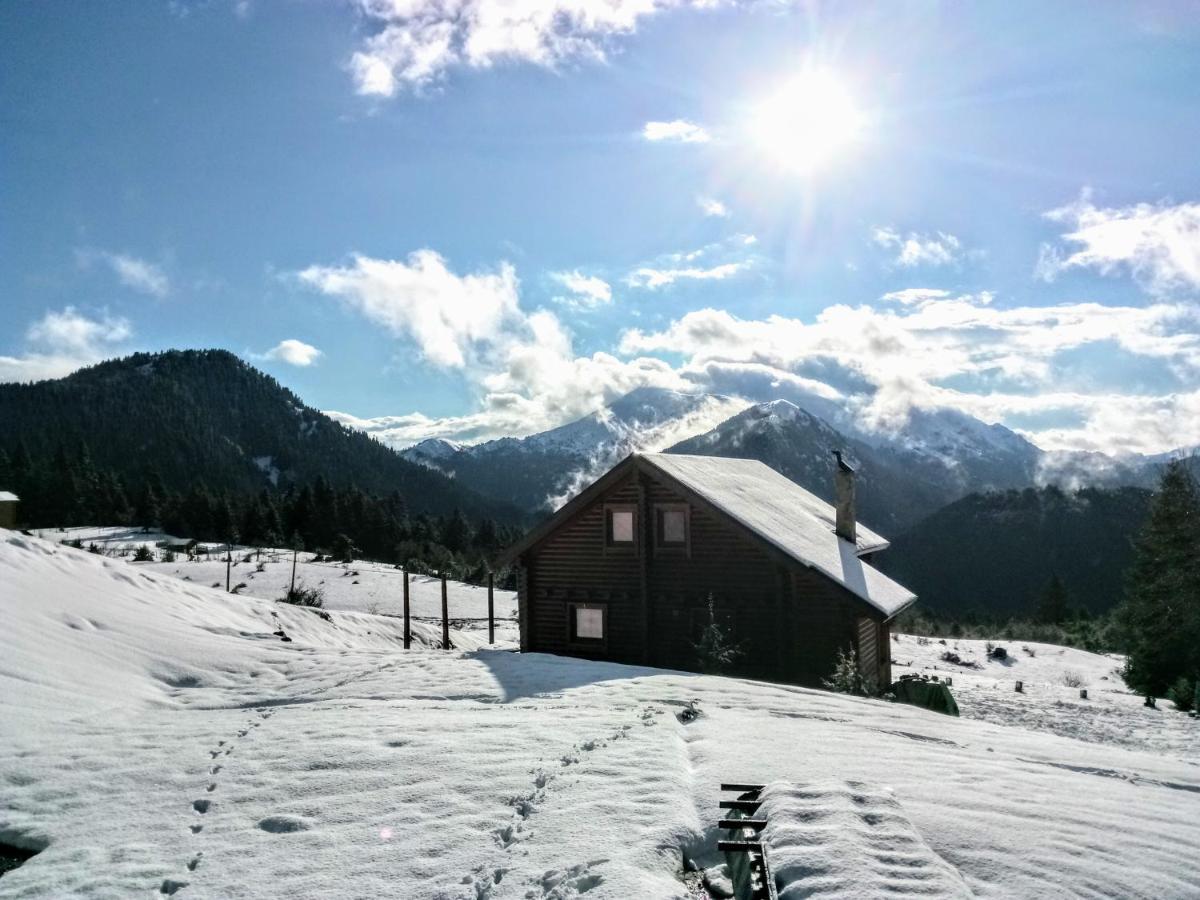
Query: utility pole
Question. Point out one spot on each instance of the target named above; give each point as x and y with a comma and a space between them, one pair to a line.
292, 589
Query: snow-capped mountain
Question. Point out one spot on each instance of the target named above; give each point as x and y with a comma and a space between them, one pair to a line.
933, 458
544, 469
800, 445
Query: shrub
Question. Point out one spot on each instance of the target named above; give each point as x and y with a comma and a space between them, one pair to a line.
261, 567
143, 554
237, 588
1072, 679
998, 653
847, 679
168, 556
1183, 693
312, 597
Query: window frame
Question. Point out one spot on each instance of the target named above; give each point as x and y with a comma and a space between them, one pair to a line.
611, 545
581, 643
661, 545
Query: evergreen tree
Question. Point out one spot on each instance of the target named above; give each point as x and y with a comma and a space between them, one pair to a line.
1052, 607
456, 532
715, 652
1161, 613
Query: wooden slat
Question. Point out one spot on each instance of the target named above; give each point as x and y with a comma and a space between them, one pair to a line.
756, 824
739, 846
741, 788
744, 805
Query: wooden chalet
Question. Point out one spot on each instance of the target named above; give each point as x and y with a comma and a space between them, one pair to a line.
625, 570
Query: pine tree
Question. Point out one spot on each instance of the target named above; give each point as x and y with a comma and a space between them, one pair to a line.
715, 652
1053, 605
1161, 612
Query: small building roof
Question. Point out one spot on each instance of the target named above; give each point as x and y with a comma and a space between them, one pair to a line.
794, 520
8, 497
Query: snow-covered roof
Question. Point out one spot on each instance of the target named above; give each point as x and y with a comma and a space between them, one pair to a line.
796, 521
8, 497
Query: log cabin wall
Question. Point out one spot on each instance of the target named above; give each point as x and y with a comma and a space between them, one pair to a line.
790, 620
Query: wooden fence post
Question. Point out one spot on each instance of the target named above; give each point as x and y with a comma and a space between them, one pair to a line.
445, 616
407, 625
491, 608
292, 589
228, 559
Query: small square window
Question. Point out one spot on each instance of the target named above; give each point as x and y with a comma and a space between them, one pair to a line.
589, 624
674, 526
621, 526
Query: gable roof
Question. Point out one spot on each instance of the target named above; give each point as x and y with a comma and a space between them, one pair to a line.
775, 509
7, 496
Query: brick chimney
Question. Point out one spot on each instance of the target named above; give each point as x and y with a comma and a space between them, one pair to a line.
843, 499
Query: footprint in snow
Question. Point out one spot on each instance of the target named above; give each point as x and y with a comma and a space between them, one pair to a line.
201, 806
194, 862
171, 885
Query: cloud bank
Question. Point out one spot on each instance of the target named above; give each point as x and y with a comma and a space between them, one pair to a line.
61, 342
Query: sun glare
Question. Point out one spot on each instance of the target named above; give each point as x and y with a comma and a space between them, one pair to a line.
806, 123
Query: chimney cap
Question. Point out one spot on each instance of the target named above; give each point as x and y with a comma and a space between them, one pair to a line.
842, 464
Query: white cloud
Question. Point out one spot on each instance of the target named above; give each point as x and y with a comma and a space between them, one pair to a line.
914, 249
61, 342
653, 279
904, 358
522, 365
678, 130
294, 353
450, 317
586, 291
922, 296
1159, 244
137, 274
417, 41
712, 208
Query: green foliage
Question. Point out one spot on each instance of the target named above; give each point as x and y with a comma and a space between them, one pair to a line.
847, 679
300, 595
143, 554
1161, 613
1183, 693
344, 549
716, 653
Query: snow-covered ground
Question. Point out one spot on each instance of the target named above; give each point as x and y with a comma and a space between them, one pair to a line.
357, 587
157, 737
1051, 677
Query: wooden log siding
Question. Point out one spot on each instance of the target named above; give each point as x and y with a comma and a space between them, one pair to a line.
790, 620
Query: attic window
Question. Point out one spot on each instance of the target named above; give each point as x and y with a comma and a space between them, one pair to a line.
620, 526
671, 526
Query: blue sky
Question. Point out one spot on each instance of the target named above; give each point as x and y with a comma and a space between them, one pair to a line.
452, 214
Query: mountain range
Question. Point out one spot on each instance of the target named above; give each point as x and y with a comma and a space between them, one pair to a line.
935, 458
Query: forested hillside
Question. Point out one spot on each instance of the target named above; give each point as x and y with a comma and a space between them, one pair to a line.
209, 447
994, 554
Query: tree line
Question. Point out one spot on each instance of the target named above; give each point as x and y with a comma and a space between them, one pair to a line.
69, 489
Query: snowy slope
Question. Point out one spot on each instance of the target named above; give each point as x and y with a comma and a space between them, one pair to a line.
156, 737
1051, 677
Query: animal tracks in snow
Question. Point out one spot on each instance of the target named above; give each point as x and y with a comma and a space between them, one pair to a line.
556, 884
202, 806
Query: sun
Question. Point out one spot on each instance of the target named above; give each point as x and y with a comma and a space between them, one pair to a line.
807, 122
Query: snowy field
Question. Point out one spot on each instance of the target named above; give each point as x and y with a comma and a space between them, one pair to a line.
158, 737
358, 587
1052, 677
